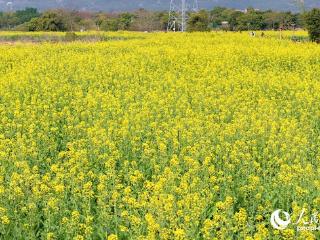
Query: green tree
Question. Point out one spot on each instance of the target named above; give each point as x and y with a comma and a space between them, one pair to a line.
99, 19
272, 19
312, 21
110, 24
163, 19
219, 15
125, 21
233, 20
87, 24
252, 20
145, 20
8, 20
48, 21
198, 21
26, 15
216, 16
287, 20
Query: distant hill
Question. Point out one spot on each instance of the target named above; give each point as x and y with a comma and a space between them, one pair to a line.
127, 5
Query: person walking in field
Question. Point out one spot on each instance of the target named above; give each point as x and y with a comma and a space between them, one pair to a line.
252, 34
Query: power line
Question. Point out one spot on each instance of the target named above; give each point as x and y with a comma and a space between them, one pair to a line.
178, 14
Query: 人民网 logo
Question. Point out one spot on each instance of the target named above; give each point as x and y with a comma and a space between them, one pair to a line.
277, 222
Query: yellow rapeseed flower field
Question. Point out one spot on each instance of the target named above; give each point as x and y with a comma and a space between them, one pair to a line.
160, 136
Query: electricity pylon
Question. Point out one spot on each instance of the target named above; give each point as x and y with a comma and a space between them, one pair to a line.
178, 14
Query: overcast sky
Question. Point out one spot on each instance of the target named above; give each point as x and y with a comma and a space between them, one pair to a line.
121, 5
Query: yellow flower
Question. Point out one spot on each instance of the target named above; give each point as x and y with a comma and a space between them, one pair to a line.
59, 188
50, 236
241, 217
78, 237
5, 220
123, 228
179, 234
161, 136
75, 215
112, 237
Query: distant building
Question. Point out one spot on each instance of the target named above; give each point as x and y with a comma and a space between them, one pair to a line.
246, 10
240, 10
225, 25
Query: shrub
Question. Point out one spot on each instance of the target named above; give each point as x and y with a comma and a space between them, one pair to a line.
71, 36
312, 21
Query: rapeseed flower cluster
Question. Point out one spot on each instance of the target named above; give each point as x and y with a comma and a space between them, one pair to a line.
162, 136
